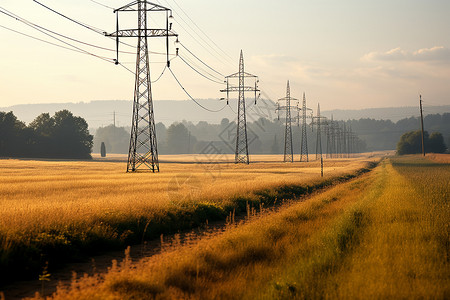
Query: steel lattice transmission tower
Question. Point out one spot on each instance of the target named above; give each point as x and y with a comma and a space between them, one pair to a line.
319, 139
331, 139
241, 154
319, 121
286, 105
322, 125
143, 150
304, 141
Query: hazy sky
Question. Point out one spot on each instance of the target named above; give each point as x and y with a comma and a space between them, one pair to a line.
343, 54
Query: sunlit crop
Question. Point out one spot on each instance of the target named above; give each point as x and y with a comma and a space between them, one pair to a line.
54, 210
383, 235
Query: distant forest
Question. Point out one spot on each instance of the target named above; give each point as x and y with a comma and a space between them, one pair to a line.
67, 136
60, 136
267, 136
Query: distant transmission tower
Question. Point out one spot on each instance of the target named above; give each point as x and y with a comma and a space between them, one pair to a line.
286, 105
320, 121
333, 129
304, 143
241, 155
143, 150
319, 139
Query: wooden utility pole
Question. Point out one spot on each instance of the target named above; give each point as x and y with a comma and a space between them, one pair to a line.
421, 122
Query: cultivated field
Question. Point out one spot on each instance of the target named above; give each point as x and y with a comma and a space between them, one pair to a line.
383, 235
56, 211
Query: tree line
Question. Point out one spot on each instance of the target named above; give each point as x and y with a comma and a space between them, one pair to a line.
411, 143
264, 137
62, 135
385, 134
267, 136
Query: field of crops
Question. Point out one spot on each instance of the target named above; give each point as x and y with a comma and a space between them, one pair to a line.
54, 211
383, 235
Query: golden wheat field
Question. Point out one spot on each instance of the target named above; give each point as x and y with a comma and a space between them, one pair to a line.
383, 235
35, 195
55, 211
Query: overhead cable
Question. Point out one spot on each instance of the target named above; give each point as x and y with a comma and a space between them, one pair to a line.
70, 19
213, 80
10, 14
200, 59
92, 28
62, 35
41, 40
201, 30
101, 4
182, 87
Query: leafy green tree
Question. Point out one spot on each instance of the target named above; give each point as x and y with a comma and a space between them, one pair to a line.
436, 143
179, 140
12, 135
42, 128
276, 148
60, 136
411, 143
71, 138
116, 139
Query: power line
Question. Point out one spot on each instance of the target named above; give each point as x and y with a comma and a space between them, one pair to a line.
182, 87
195, 39
201, 69
101, 4
202, 31
92, 28
232, 109
198, 71
97, 30
200, 59
16, 17
160, 76
41, 40
74, 48
20, 19
153, 81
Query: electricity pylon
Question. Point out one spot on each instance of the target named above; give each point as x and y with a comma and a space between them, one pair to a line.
319, 120
241, 154
288, 149
304, 141
143, 150
328, 132
331, 138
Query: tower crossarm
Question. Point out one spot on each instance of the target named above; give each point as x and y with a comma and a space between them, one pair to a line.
245, 74
244, 88
285, 107
142, 33
133, 6
286, 98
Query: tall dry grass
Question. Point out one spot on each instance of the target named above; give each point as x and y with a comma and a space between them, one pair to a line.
405, 250
382, 236
55, 210
242, 263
